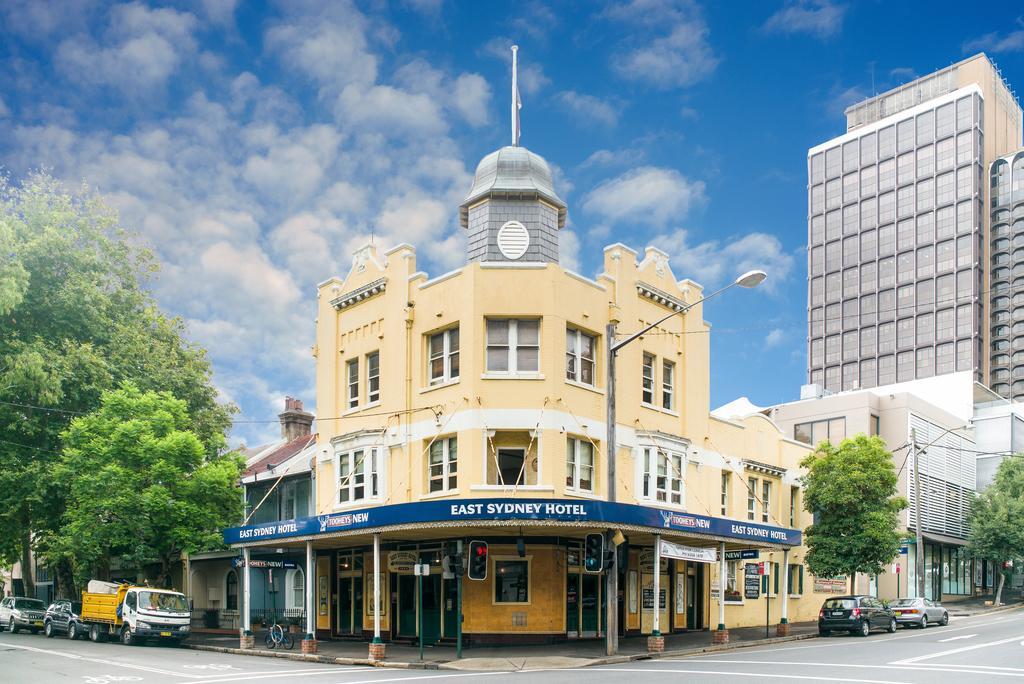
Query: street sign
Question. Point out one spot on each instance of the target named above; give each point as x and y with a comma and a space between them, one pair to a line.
760, 568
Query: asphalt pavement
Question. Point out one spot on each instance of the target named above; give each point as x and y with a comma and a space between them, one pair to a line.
982, 648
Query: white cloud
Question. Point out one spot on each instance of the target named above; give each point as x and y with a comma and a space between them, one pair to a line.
712, 263
471, 97
774, 337
649, 194
994, 42
220, 12
819, 18
666, 44
622, 157
468, 95
4, 111
589, 108
140, 50
569, 249
389, 111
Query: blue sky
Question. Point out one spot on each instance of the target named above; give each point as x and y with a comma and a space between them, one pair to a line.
255, 145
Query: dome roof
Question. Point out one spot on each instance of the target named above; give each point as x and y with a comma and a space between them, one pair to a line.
514, 172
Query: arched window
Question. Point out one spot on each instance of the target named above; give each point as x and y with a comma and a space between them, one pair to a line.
295, 589
231, 591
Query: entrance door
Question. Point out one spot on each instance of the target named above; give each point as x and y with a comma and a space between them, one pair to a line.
591, 604
572, 605
451, 608
691, 607
407, 606
345, 605
431, 609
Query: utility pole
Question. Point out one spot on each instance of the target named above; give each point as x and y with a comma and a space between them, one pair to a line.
919, 553
611, 599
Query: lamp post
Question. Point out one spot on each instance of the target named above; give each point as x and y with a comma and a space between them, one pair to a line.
748, 279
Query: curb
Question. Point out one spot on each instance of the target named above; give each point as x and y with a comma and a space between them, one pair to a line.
311, 658
710, 648
989, 611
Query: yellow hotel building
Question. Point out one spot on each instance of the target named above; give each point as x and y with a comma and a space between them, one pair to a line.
472, 406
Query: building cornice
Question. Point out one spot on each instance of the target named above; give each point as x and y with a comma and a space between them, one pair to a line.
343, 301
765, 468
660, 297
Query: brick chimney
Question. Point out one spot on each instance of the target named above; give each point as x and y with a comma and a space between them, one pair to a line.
294, 421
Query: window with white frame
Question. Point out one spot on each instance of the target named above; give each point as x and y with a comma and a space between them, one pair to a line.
668, 384
579, 356
579, 464
648, 379
794, 493
352, 373
443, 350
725, 492
766, 497
358, 474
733, 591
513, 345
662, 475
751, 498
444, 468
295, 589
373, 377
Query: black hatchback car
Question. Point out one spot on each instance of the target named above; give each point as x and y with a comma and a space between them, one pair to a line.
62, 617
855, 614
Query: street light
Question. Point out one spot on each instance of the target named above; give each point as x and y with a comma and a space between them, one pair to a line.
748, 280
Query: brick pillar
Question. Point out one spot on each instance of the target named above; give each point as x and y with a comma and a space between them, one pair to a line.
782, 629
377, 651
247, 641
309, 645
720, 636
655, 644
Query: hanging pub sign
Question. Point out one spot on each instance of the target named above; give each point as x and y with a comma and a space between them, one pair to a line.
647, 562
402, 561
260, 563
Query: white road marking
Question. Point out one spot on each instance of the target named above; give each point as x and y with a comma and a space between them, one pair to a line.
961, 636
335, 670
101, 661
965, 669
954, 651
745, 674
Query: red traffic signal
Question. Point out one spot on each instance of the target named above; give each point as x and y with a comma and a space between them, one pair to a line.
477, 560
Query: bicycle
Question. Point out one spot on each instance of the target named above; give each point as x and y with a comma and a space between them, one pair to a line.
277, 636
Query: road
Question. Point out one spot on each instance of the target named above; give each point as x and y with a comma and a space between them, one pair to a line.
976, 649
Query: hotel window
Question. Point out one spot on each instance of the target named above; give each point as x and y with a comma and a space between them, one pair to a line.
648, 379
444, 464
373, 377
794, 493
579, 356
358, 475
751, 498
766, 498
513, 346
725, 492
444, 356
796, 580
511, 581
732, 587
352, 368
579, 465
668, 384
662, 475
231, 591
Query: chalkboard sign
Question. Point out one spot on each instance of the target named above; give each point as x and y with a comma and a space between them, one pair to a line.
751, 582
648, 599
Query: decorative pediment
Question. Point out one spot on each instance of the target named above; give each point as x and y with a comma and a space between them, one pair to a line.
660, 297
347, 299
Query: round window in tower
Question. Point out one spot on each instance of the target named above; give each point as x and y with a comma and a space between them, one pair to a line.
513, 240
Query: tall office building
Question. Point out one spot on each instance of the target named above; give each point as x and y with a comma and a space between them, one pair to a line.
1007, 279
898, 227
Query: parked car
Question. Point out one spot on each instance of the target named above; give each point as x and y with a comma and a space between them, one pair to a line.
919, 612
18, 612
855, 614
63, 617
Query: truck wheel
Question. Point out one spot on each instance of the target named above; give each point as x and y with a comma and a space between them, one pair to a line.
97, 634
127, 638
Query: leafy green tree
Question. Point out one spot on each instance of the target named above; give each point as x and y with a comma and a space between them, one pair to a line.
76, 319
140, 486
997, 532
851, 489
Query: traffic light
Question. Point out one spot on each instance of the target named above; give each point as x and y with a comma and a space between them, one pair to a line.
593, 553
477, 560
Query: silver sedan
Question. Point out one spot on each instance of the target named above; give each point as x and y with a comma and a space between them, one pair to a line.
919, 612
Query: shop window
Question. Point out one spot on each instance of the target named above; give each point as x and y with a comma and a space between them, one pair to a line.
511, 581
443, 348
373, 378
358, 475
648, 379
513, 346
352, 371
231, 591
733, 590
443, 474
295, 589
579, 356
662, 476
579, 465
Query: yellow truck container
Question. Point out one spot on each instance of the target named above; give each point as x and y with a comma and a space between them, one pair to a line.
134, 613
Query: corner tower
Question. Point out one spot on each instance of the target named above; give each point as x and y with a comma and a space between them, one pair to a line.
512, 212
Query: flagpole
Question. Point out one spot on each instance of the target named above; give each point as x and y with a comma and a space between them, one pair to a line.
515, 96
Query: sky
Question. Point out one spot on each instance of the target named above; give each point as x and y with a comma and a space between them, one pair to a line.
255, 145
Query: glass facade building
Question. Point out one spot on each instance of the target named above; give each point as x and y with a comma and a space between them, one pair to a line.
1006, 299
897, 232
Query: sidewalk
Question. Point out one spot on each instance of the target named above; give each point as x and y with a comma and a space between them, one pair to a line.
976, 606
581, 653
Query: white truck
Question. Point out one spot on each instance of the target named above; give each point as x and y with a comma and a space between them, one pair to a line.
134, 614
